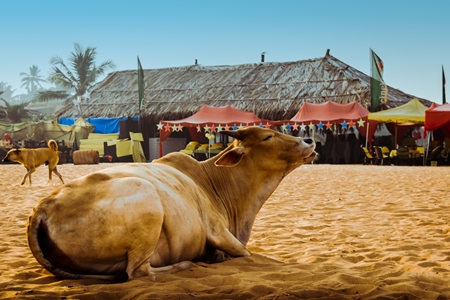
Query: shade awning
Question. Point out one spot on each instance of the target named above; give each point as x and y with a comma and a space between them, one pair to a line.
218, 115
411, 112
437, 116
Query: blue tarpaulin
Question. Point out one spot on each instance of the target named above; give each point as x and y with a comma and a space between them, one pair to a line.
102, 125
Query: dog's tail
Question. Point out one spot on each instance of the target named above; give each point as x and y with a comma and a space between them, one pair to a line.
52, 144
43, 248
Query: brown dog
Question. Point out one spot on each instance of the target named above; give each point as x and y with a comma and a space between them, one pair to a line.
33, 158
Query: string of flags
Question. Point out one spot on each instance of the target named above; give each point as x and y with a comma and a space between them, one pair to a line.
284, 127
212, 128
321, 126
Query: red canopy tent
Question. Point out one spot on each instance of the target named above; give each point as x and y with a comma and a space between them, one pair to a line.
325, 115
211, 119
328, 115
438, 117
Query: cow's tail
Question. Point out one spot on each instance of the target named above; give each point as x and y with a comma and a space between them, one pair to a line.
52, 144
38, 235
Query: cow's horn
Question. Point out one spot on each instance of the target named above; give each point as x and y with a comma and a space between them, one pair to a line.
234, 134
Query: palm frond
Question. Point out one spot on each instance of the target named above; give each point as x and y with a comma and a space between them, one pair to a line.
57, 61
6, 102
59, 78
15, 112
109, 64
64, 77
46, 96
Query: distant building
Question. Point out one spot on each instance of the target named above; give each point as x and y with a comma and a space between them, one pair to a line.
272, 90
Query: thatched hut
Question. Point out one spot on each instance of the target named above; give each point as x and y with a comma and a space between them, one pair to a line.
272, 90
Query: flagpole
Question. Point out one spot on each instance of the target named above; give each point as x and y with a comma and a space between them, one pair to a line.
425, 157
367, 132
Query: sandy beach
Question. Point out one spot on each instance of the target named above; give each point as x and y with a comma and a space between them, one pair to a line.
327, 232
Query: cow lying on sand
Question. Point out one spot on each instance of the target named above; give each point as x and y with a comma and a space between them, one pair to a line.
144, 219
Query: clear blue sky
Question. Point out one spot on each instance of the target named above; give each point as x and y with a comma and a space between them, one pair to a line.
411, 37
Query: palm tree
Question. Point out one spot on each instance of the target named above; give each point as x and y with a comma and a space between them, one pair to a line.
80, 78
6, 90
16, 112
33, 80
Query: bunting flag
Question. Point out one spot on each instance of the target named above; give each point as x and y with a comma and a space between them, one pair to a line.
378, 87
443, 86
140, 85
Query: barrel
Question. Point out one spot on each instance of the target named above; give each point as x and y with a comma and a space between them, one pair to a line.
86, 157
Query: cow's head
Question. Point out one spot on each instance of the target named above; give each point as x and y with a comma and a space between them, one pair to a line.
269, 149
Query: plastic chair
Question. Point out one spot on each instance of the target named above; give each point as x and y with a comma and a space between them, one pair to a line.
203, 147
403, 157
217, 146
368, 158
379, 156
417, 156
382, 159
189, 150
443, 157
434, 155
420, 150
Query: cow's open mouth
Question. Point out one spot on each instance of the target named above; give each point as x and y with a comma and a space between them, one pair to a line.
311, 157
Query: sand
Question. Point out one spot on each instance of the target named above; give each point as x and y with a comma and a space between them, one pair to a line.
327, 232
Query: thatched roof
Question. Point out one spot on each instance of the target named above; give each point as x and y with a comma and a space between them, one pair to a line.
272, 90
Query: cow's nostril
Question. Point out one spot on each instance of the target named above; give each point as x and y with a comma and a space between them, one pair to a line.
308, 141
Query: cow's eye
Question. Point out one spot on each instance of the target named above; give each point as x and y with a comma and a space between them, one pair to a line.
267, 138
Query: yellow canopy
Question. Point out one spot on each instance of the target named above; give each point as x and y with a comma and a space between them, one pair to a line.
411, 112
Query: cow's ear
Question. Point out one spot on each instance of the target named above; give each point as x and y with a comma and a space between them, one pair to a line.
231, 157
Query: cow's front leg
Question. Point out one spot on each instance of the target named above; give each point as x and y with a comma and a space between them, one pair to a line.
225, 241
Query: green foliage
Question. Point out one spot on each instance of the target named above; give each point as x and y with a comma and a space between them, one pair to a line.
45, 96
16, 112
32, 81
6, 90
80, 74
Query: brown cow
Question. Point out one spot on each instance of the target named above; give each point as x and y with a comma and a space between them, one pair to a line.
144, 219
